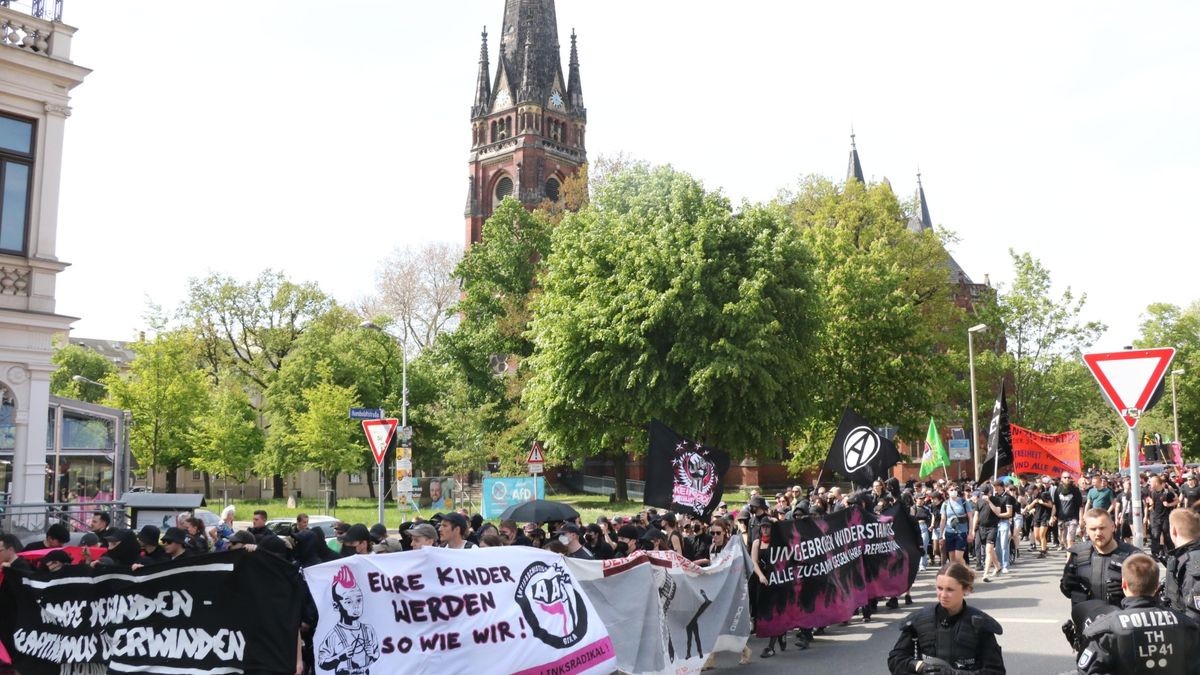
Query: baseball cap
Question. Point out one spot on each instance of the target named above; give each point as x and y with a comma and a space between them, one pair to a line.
115, 534
241, 537
569, 527
653, 533
379, 532
424, 530
341, 527
456, 519
174, 534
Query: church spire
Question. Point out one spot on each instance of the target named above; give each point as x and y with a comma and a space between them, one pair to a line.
574, 86
920, 219
855, 169
483, 88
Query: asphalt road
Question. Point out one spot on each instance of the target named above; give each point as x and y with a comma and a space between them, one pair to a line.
1026, 602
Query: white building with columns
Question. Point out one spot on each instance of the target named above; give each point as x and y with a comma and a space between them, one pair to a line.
36, 79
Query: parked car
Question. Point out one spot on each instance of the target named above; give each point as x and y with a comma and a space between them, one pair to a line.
283, 526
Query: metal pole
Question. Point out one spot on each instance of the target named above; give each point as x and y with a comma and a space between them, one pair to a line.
58, 426
1174, 409
974, 413
1135, 488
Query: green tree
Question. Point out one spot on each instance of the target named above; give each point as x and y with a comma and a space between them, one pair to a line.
248, 329
485, 355
1044, 337
230, 438
166, 393
660, 302
1166, 325
323, 435
887, 326
72, 360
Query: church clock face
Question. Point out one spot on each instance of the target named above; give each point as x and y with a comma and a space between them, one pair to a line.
503, 100
556, 101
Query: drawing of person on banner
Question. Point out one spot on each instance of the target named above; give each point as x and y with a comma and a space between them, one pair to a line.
351, 647
666, 593
693, 627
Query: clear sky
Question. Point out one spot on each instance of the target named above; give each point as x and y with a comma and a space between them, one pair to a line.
315, 137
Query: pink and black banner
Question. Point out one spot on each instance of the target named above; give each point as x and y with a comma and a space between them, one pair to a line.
820, 569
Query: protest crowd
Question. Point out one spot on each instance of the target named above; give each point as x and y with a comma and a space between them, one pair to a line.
966, 532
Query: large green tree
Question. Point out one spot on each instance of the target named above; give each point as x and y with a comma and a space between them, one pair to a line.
886, 321
166, 393
661, 302
247, 329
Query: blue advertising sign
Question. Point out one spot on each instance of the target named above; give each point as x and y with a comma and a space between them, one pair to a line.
366, 413
501, 493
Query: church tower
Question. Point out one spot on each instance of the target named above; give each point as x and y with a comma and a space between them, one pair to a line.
527, 121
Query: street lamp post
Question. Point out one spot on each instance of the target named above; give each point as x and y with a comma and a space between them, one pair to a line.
974, 412
1174, 406
403, 342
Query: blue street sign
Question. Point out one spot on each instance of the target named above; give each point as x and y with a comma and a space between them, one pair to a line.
366, 413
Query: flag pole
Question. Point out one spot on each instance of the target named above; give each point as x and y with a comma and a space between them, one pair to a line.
817, 483
946, 473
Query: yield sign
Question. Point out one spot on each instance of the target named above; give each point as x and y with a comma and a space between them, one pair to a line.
1129, 378
535, 454
379, 435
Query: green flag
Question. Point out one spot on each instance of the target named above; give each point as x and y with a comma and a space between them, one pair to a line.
935, 453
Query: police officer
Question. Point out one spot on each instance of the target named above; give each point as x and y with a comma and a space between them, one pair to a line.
1093, 570
1143, 636
1182, 584
949, 638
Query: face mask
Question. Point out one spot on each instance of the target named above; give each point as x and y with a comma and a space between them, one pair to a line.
622, 548
563, 539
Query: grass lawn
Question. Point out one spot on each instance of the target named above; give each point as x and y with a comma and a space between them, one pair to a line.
365, 511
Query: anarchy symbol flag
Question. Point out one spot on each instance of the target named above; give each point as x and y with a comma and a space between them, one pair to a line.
858, 451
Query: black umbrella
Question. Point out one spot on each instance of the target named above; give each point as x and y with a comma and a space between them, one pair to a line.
539, 511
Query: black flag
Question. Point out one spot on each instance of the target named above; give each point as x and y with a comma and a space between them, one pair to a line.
999, 438
859, 453
682, 475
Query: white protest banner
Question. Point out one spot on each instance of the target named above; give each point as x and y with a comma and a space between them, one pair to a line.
511, 609
692, 611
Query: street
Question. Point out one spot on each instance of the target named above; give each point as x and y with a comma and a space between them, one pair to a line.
1026, 602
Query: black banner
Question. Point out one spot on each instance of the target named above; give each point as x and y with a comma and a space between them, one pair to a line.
819, 570
999, 438
859, 453
221, 613
683, 475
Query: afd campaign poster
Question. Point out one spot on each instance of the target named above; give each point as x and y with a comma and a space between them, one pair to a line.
821, 569
510, 609
501, 493
689, 613
221, 613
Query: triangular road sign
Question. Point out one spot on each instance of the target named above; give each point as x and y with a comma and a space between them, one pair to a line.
379, 435
535, 454
1128, 378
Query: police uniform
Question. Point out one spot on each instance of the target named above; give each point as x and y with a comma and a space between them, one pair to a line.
1142, 637
963, 644
1182, 582
1092, 575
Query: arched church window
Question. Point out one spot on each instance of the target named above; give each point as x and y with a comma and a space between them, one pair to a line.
552, 189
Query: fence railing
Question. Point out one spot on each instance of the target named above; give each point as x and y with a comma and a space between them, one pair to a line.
35, 518
603, 485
